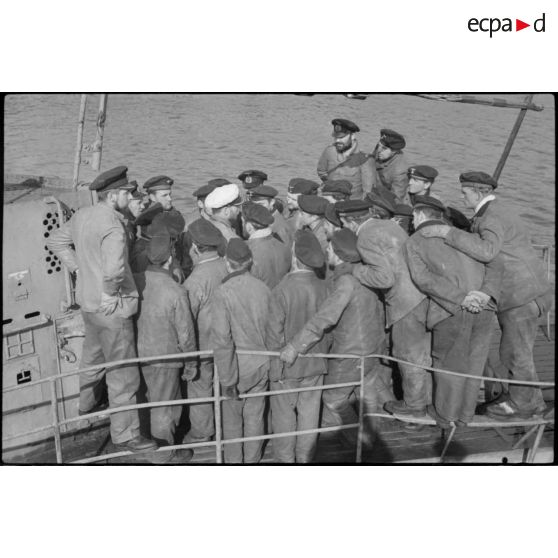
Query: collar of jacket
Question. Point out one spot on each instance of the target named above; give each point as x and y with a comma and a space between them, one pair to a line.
430, 223
233, 274
209, 257
345, 268
388, 162
157, 269
483, 205
261, 233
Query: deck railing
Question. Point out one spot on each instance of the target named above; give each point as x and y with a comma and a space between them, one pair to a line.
534, 425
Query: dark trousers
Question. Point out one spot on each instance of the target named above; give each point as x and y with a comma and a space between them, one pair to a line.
201, 415
110, 338
460, 343
292, 412
411, 341
163, 384
519, 330
245, 418
339, 403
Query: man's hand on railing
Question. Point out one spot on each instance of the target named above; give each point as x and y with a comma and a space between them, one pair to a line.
231, 392
288, 354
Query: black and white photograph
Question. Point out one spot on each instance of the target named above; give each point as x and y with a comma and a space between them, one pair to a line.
278, 278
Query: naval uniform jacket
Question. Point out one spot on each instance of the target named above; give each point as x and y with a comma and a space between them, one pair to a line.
353, 311
101, 256
201, 285
271, 259
164, 322
239, 314
354, 166
447, 275
392, 174
293, 302
498, 232
282, 228
380, 243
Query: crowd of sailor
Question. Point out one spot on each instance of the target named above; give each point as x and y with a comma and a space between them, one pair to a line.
367, 260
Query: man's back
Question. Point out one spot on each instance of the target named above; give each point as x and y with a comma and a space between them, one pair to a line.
293, 302
392, 174
271, 259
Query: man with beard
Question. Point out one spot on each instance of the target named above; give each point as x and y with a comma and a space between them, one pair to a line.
296, 188
135, 206
93, 245
344, 160
391, 166
223, 206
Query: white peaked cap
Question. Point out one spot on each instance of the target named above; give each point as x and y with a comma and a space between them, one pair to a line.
222, 196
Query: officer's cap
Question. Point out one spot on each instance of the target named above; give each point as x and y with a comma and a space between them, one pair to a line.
314, 205
380, 201
263, 192
355, 208
156, 183
473, 178
159, 247
331, 215
429, 201
204, 233
338, 187
252, 178
113, 179
238, 251
422, 172
172, 220
344, 244
342, 127
302, 186
228, 194
392, 139
308, 250
402, 210
257, 214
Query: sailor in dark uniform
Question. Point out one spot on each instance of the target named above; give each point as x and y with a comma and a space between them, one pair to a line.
266, 196
297, 187
312, 216
391, 166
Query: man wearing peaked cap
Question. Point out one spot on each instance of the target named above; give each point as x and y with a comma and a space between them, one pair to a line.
311, 216
93, 244
344, 161
355, 317
206, 277
391, 165
336, 190
498, 234
421, 178
239, 318
296, 188
223, 205
159, 190
164, 326
266, 196
271, 256
403, 216
461, 330
293, 302
380, 242
252, 178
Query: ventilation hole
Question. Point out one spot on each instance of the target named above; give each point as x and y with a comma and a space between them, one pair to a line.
50, 253
52, 264
48, 258
49, 215
49, 228
46, 248
23, 377
504, 460
56, 214
57, 269
32, 315
7, 321
46, 235
45, 222
49, 271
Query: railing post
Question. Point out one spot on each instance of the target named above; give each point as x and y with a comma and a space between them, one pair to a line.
360, 413
548, 258
55, 423
533, 451
217, 407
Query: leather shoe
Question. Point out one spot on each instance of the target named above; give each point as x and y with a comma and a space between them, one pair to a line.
506, 410
432, 413
171, 457
401, 408
137, 444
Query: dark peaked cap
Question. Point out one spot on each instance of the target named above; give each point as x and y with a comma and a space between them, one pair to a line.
392, 139
344, 244
238, 251
308, 250
353, 207
477, 177
263, 192
331, 215
204, 233
429, 201
160, 182
252, 178
258, 214
315, 205
424, 172
159, 247
113, 179
342, 127
303, 186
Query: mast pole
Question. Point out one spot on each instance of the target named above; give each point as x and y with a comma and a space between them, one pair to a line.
97, 146
79, 142
512, 137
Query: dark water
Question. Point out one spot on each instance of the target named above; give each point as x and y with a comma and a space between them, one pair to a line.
196, 137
